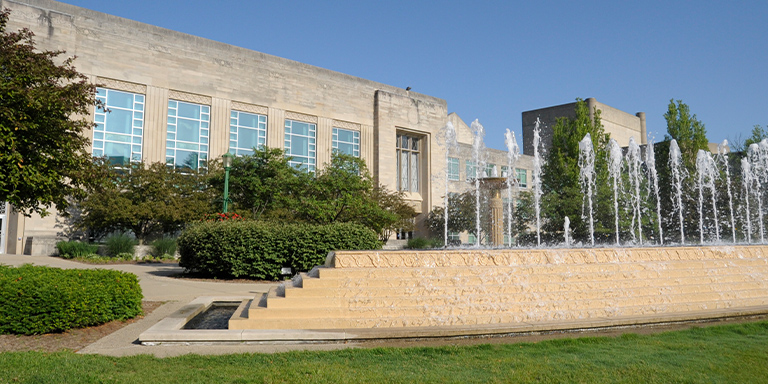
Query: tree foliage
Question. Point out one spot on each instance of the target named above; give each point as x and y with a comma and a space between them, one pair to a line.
43, 157
264, 186
147, 200
688, 131
560, 175
758, 134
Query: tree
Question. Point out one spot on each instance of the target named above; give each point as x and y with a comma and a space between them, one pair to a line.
148, 201
462, 216
560, 175
43, 157
688, 131
261, 185
758, 134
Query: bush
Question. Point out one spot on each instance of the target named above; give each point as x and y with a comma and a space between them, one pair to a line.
424, 243
75, 249
259, 250
164, 246
39, 299
118, 244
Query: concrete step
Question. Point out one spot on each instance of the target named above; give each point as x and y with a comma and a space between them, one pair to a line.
476, 285
532, 315
465, 305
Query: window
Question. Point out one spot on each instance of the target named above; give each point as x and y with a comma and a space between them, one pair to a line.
453, 169
407, 163
522, 177
471, 239
346, 141
454, 238
300, 144
246, 132
118, 133
489, 169
187, 134
504, 171
471, 168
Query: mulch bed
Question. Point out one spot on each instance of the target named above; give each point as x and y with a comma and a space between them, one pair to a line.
74, 339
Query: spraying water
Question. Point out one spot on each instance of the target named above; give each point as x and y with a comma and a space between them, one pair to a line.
746, 182
538, 162
705, 168
478, 155
451, 145
723, 158
587, 179
513, 153
614, 170
678, 174
566, 231
634, 166
758, 175
650, 162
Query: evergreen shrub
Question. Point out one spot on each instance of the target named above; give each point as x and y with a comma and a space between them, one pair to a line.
37, 299
75, 249
259, 250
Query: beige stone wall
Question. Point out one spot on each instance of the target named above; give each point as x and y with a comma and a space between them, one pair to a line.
166, 65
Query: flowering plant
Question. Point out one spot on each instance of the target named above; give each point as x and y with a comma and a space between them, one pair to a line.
222, 217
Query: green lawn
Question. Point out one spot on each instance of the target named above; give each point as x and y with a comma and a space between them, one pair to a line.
720, 354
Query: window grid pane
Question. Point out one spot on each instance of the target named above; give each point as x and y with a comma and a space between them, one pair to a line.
453, 169
187, 134
126, 114
408, 177
346, 141
246, 131
522, 177
300, 144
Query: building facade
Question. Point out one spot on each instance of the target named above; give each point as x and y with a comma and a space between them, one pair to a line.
619, 124
182, 99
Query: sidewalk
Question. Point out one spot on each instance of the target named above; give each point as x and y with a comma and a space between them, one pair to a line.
157, 286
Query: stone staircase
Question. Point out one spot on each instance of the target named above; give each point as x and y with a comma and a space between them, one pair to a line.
471, 288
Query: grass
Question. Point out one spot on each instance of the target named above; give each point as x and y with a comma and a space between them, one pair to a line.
720, 354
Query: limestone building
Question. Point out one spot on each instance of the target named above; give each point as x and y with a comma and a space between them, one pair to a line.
182, 100
619, 124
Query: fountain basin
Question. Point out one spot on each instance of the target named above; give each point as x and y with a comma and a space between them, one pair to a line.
360, 295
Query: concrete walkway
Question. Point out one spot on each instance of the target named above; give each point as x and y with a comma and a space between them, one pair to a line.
157, 286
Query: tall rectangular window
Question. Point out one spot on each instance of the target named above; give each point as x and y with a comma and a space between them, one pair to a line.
346, 141
522, 177
300, 144
118, 133
246, 132
453, 169
471, 168
504, 171
186, 142
408, 150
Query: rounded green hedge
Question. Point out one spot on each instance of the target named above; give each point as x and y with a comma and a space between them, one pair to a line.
259, 250
36, 299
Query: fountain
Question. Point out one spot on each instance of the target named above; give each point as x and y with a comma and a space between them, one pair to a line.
478, 156
587, 179
451, 146
723, 158
361, 295
538, 162
650, 161
513, 153
634, 166
678, 175
705, 168
614, 171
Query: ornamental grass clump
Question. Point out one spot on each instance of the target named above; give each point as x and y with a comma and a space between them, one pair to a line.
120, 244
37, 299
75, 249
164, 247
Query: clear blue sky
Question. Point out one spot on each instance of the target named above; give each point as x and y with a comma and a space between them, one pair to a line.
492, 60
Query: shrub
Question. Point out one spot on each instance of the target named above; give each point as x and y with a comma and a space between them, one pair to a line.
122, 243
75, 249
164, 246
38, 299
424, 243
259, 250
